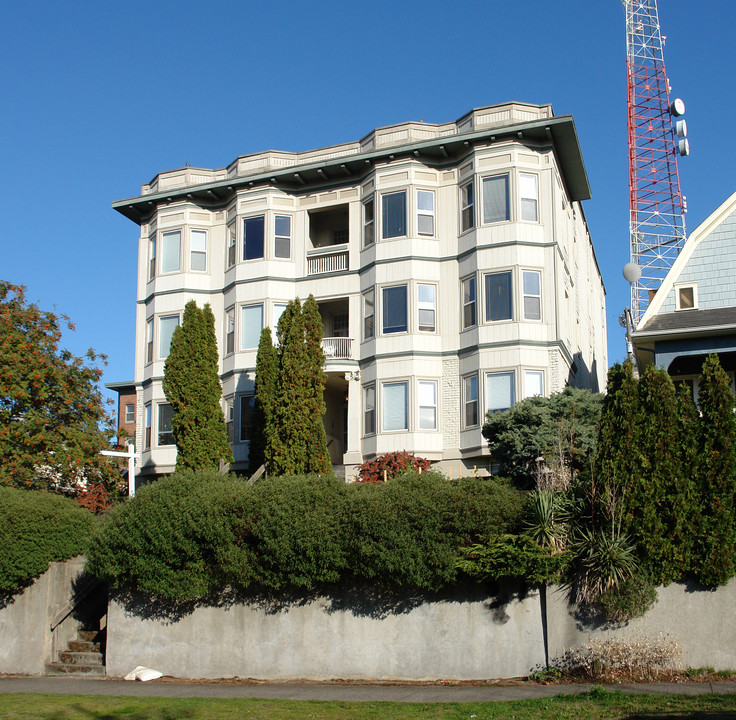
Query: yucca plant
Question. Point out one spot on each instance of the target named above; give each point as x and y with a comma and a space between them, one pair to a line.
548, 520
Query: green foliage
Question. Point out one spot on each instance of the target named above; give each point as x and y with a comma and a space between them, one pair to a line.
548, 520
715, 561
561, 429
192, 386
38, 528
267, 370
391, 465
53, 423
195, 534
631, 599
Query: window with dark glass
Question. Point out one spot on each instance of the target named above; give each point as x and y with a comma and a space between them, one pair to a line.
394, 309
469, 306
467, 206
470, 393
230, 332
499, 304
369, 236
368, 314
147, 437
165, 435
495, 198
369, 410
253, 237
246, 416
394, 214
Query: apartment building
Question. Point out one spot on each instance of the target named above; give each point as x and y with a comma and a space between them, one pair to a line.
452, 265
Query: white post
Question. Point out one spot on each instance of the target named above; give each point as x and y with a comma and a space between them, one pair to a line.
131, 455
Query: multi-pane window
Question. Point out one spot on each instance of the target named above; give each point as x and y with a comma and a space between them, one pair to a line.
198, 250
369, 409
149, 341
470, 400
393, 209
467, 206
427, 307
129, 413
165, 435
246, 416
147, 434
499, 304
395, 411
529, 193
152, 257
533, 383
394, 306
166, 326
231, 244
427, 392
369, 227
170, 251
251, 326
282, 240
499, 391
532, 290
469, 304
230, 332
368, 314
425, 212
495, 198
253, 237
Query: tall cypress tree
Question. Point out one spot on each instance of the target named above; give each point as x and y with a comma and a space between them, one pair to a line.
716, 550
262, 427
192, 386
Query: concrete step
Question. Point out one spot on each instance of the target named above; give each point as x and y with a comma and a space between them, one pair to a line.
90, 635
60, 668
84, 646
80, 658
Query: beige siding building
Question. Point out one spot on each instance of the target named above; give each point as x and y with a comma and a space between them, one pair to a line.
452, 265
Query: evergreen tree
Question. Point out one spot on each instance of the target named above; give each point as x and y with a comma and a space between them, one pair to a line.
267, 369
192, 386
716, 550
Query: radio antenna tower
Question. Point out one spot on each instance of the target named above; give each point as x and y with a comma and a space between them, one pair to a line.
656, 205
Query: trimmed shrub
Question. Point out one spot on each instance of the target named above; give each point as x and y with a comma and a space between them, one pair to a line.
38, 528
391, 465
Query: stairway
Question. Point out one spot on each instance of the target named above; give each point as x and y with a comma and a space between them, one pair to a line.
82, 657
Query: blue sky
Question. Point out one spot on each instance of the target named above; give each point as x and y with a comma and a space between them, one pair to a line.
98, 97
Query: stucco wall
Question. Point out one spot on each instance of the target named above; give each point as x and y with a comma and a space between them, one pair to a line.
25, 635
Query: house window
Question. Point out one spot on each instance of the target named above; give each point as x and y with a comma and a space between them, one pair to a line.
470, 400
229, 414
230, 332
532, 287
129, 413
231, 248
395, 415
499, 391
687, 298
340, 325
198, 250
495, 198
253, 235
426, 304
170, 251
529, 192
166, 327
251, 326
498, 296
165, 435
369, 232
368, 314
246, 416
282, 241
469, 316
394, 214
427, 392
277, 312
533, 383
467, 206
394, 309
152, 257
149, 341
147, 437
425, 212
369, 410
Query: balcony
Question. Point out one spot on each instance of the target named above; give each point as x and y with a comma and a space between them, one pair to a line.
329, 237
337, 348
327, 260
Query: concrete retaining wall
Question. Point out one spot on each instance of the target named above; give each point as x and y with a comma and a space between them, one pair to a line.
25, 634
452, 639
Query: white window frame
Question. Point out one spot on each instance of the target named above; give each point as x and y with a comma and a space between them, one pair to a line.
159, 432
422, 404
678, 297
232, 247
230, 331
468, 401
245, 220
200, 233
161, 355
507, 214
243, 332
427, 213
487, 307
369, 223
423, 305
276, 316
148, 408
498, 374
369, 409
528, 374
383, 309
529, 197
230, 419
129, 412
384, 197
149, 341
466, 305
384, 404
169, 235
281, 236
530, 295
467, 206
152, 257
369, 320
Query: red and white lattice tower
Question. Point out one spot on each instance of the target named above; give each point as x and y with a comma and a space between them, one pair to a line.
656, 205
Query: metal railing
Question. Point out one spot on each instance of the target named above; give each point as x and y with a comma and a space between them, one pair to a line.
327, 260
337, 348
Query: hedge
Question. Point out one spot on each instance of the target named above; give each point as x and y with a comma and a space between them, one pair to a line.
38, 528
196, 534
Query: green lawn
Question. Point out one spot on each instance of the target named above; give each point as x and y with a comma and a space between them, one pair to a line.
598, 704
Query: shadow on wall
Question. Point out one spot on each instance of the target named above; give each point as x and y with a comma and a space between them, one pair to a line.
581, 376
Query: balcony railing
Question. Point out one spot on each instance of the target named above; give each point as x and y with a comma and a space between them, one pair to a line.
327, 260
337, 348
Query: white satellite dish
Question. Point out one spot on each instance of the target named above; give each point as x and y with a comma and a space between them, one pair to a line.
632, 272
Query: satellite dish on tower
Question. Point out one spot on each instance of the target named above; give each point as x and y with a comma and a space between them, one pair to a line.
632, 272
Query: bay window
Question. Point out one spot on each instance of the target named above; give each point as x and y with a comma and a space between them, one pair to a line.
282, 239
251, 324
394, 305
495, 198
427, 396
425, 212
467, 207
499, 391
470, 400
253, 237
166, 327
532, 291
395, 415
198, 251
393, 210
499, 303
427, 307
529, 193
170, 251
469, 311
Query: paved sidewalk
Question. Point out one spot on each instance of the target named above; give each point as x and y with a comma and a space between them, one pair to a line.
329, 691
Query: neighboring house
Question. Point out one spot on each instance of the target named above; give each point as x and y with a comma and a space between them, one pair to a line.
126, 410
694, 311
452, 266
